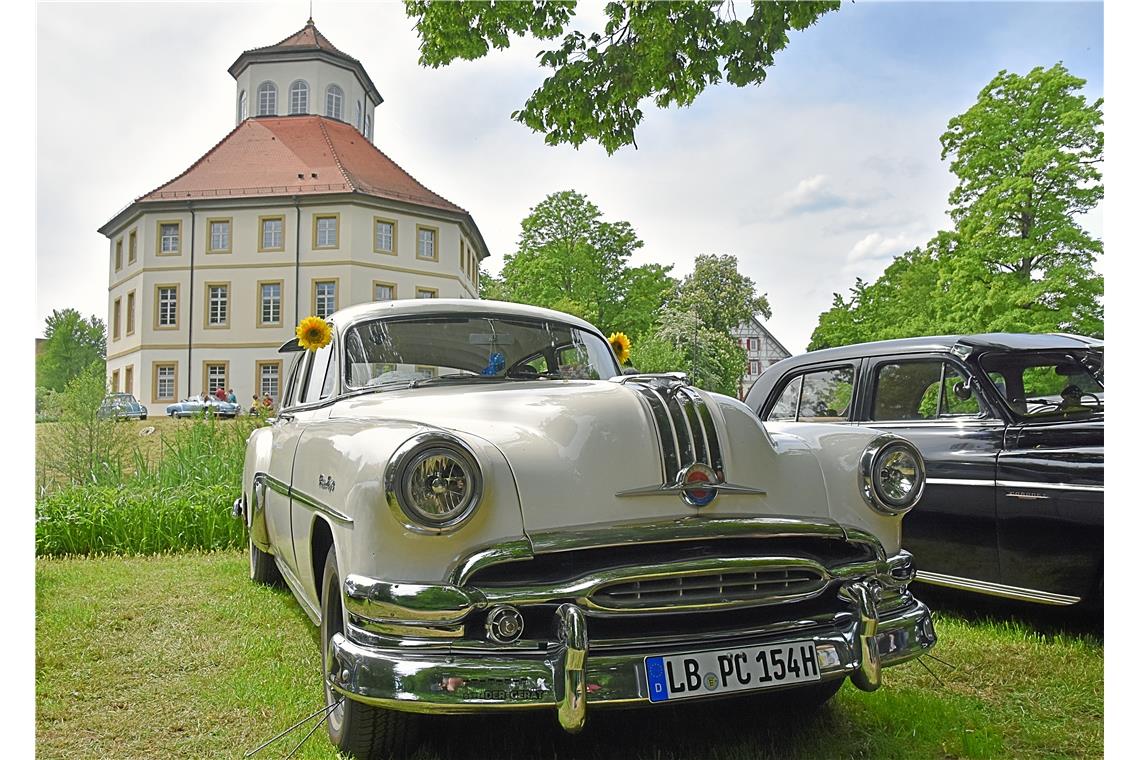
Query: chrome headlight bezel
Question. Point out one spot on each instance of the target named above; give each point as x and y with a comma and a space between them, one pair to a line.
869, 486
400, 467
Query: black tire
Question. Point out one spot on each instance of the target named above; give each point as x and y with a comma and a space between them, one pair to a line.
143, 418
262, 568
359, 730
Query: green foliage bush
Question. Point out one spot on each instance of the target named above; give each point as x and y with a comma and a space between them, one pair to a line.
181, 502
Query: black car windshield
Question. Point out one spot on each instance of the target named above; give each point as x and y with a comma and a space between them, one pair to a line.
424, 349
1042, 384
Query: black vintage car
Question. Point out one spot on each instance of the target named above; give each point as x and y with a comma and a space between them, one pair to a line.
1012, 430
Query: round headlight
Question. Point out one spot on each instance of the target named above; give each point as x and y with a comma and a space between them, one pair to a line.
893, 475
434, 481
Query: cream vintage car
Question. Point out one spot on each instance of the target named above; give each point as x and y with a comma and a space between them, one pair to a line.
481, 512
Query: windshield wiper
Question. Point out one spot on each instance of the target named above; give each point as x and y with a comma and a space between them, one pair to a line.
419, 382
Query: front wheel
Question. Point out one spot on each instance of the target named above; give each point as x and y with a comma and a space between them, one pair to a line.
361, 731
262, 568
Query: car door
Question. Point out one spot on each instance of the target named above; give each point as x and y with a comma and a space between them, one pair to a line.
286, 434
952, 531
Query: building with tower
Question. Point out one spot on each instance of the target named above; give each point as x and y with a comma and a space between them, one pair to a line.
294, 212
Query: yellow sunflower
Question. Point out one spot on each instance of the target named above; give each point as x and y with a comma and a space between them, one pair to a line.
620, 343
313, 333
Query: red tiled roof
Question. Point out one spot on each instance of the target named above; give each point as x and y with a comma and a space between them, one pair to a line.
308, 38
296, 155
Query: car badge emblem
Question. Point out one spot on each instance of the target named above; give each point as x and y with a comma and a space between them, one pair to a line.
696, 482
326, 482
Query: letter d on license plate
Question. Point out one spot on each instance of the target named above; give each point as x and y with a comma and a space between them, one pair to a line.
702, 674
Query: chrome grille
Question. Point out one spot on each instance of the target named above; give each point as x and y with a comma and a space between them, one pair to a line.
762, 586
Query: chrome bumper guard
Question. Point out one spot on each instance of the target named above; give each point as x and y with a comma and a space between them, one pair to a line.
441, 677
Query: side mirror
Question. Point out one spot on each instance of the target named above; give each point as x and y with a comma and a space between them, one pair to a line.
963, 391
630, 371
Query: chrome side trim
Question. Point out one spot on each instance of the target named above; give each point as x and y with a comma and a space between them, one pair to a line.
996, 589
1049, 486
305, 499
960, 482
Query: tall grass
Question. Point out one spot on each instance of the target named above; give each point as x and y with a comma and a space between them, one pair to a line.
180, 501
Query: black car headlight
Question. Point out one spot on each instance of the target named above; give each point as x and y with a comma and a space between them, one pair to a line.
892, 475
434, 482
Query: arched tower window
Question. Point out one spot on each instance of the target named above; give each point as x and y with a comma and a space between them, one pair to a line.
267, 99
334, 102
243, 106
359, 118
299, 97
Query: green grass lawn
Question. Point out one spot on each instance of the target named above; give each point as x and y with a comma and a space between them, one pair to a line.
182, 657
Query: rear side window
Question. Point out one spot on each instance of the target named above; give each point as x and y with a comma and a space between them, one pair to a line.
820, 396
921, 390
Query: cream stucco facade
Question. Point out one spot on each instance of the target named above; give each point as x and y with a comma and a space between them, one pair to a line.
203, 291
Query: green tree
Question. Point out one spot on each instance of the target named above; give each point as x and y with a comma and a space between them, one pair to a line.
570, 259
667, 51
81, 447
720, 295
1017, 260
72, 344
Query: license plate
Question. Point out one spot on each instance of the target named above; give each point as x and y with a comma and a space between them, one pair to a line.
721, 671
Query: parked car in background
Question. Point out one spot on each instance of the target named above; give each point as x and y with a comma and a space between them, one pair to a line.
482, 513
211, 406
121, 406
1011, 427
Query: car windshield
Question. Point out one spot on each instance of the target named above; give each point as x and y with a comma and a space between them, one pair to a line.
1037, 384
421, 350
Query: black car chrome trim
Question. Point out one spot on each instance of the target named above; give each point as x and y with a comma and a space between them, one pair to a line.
997, 589
1049, 486
960, 482
305, 499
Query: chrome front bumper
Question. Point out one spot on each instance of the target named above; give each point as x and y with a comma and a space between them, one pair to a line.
568, 675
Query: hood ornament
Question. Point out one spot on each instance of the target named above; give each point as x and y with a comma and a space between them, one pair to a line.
697, 485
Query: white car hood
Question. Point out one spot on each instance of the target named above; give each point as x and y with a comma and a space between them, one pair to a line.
572, 446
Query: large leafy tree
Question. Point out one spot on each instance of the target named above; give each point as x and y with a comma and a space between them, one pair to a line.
569, 258
665, 51
1017, 260
694, 330
72, 344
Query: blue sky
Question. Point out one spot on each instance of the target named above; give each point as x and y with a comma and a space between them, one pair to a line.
821, 174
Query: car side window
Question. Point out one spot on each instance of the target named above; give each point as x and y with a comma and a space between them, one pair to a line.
922, 389
820, 396
315, 381
289, 396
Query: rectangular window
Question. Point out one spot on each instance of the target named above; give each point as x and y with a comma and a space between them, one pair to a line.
324, 297
165, 386
919, 390
129, 379
426, 243
427, 293
166, 306
272, 233
169, 238
326, 231
383, 291
753, 344
118, 254
131, 313
821, 396
115, 381
753, 367
215, 376
269, 379
133, 247
116, 316
384, 238
269, 298
219, 236
217, 304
